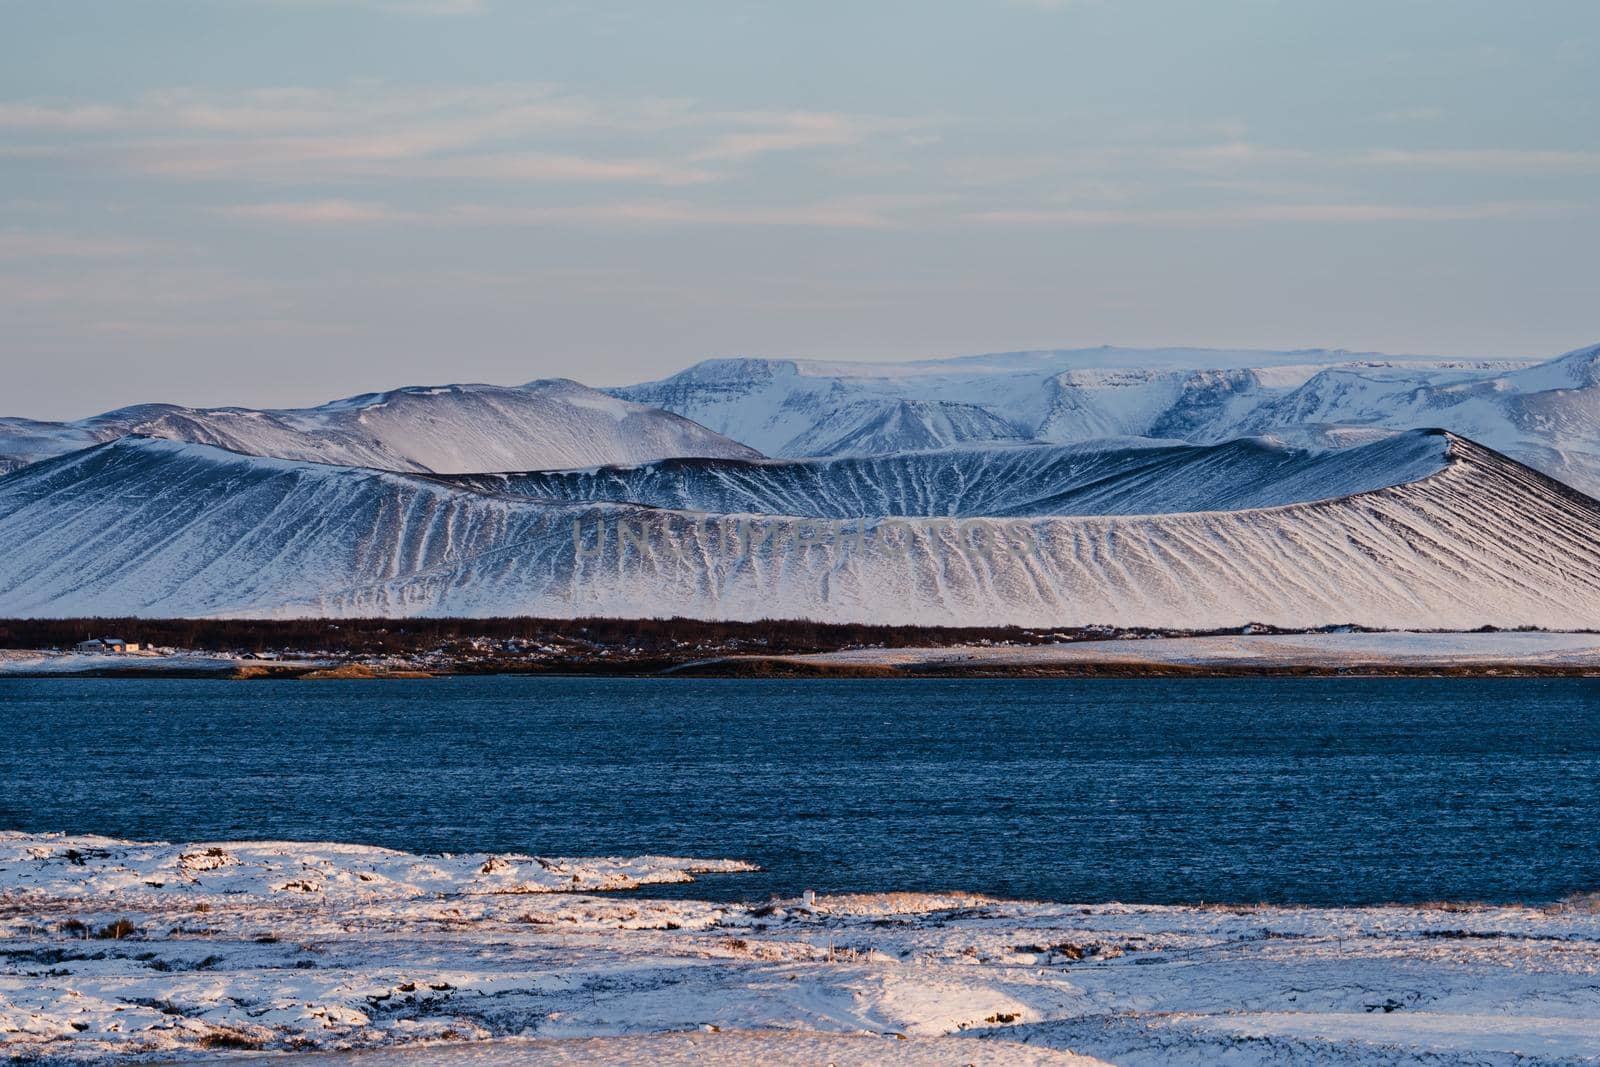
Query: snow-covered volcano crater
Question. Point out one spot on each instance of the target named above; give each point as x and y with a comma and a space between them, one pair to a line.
157, 528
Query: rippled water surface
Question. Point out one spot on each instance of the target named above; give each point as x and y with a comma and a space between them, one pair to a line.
1150, 790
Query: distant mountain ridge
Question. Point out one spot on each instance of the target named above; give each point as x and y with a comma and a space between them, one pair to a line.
551, 424
1545, 414
787, 407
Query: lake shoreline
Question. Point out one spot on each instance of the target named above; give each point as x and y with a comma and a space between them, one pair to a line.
779, 670
1372, 654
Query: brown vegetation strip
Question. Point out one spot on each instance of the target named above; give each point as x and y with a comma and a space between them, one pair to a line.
645, 636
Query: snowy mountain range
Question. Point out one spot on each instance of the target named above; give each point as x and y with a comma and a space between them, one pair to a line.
1168, 488
447, 429
152, 527
1547, 415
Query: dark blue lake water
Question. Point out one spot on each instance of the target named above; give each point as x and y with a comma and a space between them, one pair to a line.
1292, 790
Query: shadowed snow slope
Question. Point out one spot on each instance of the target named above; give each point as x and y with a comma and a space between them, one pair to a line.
544, 425
997, 481
157, 528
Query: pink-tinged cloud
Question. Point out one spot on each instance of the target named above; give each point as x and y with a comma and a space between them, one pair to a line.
1262, 213
336, 212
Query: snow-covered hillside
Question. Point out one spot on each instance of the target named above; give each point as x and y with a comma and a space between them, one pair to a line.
156, 528
1547, 415
1023, 480
448, 429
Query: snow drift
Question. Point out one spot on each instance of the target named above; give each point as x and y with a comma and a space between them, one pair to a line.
157, 528
82, 865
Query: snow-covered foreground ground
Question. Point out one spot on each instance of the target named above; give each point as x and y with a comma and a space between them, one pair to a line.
1329, 651
112, 951
30, 661
706, 1048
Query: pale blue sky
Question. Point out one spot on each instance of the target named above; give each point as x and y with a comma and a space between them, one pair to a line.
275, 202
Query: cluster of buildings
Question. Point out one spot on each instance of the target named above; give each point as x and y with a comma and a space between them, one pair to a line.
106, 644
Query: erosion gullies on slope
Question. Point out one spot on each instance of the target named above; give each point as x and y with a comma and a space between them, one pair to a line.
1036, 480
447, 429
155, 528
165, 528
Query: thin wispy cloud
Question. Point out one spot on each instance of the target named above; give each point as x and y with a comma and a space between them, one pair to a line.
15, 245
392, 7
1412, 114
534, 167
1513, 160
1231, 154
499, 133
1267, 213
866, 213
852, 213
456, 113
796, 131
22, 116
883, 212
338, 212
